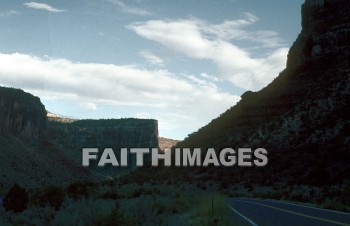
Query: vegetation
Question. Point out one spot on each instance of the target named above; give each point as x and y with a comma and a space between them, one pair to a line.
212, 210
16, 199
119, 203
52, 196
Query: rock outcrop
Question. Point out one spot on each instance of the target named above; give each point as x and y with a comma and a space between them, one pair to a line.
21, 114
325, 30
104, 133
302, 117
111, 133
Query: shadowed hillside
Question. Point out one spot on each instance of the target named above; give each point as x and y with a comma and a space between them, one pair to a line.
302, 117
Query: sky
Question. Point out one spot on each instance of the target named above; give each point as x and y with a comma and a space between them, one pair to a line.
181, 62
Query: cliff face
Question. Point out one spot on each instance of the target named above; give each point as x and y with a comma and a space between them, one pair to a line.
302, 117
21, 114
113, 133
325, 30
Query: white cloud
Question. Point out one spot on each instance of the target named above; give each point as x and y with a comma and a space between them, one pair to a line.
88, 106
210, 77
92, 86
128, 9
216, 42
9, 13
43, 6
152, 58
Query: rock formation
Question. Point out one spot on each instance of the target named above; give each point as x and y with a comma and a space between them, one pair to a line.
21, 113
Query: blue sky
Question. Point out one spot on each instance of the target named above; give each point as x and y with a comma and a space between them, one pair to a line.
181, 62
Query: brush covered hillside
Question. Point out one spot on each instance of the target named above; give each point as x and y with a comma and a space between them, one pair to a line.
302, 118
35, 151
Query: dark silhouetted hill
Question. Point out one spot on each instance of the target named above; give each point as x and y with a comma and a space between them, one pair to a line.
302, 118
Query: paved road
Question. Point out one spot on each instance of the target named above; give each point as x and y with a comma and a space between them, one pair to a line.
255, 212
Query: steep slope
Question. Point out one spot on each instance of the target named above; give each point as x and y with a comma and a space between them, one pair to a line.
302, 117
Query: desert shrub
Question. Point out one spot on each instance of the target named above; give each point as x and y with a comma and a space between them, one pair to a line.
116, 217
181, 203
248, 186
80, 189
84, 212
111, 195
331, 191
225, 183
53, 196
16, 199
345, 196
334, 205
159, 208
299, 194
212, 210
201, 184
274, 195
139, 192
31, 216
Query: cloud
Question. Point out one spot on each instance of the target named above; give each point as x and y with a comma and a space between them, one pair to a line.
88, 106
43, 6
157, 93
210, 77
9, 13
130, 10
219, 43
152, 58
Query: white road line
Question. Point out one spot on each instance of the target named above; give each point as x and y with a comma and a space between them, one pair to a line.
310, 207
297, 213
244, 217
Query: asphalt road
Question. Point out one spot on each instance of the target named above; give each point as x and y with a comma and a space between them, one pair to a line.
255, 212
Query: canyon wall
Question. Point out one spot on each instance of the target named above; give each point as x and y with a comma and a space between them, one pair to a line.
302, 117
